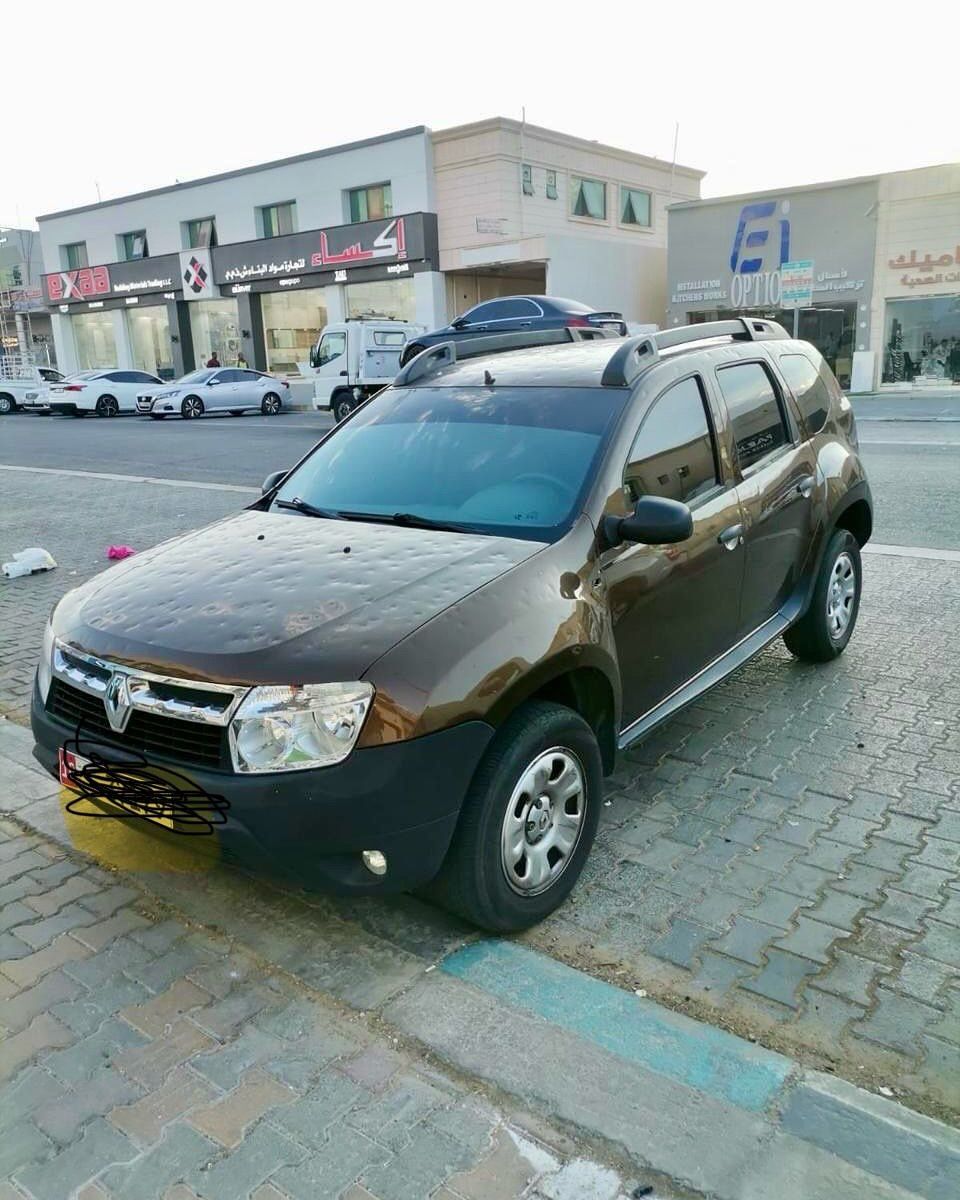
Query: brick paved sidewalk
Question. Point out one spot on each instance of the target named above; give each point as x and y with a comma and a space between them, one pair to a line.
140, 1059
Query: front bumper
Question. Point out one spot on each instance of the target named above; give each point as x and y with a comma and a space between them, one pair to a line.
309, 827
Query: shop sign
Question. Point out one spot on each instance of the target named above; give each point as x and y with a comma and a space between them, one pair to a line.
138, 277
796, 283
393, 241
927, 263
693, 291
196, 271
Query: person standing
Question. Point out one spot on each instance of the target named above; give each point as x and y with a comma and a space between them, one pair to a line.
213, 361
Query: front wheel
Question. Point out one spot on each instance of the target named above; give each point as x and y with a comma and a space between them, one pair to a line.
107, 406
270, 404
343, 406
823, 631
7, 405
192, 406
527, 823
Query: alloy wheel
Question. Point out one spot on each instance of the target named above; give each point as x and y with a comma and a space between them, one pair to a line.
543, 821
841, 596
270, 405
107, 406
191, 408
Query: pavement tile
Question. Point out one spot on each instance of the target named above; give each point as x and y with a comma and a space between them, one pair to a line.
372, 1068
682, 942
26, 1092
781, 978
159, 973
903, 910
897, 1021
181, 1153
226, 1120
940, 942
87, 1012
94, 1097
153, 1016
308, 1119
20, 1009
59, 1177
86, 1056
28, 970
853, 977
42, 931
225, 1065
419, 1168
776, 908
102, 933
43, 1034
747, 940
146, 1119
390, 1118
332, 1168
19, 1147
100, 967
150, 1064
74, 888
261, 1155
504, 1172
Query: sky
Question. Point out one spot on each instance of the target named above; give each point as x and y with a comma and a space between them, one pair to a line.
122, 97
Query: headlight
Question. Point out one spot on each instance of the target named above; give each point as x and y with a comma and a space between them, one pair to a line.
45, 665
295, 728
164, 395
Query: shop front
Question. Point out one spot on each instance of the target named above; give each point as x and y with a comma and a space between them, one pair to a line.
727, 258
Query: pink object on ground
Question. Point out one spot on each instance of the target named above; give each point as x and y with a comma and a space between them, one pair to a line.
120, 551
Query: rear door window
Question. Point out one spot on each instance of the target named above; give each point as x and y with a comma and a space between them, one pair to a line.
756, 411
674, 454
811, 388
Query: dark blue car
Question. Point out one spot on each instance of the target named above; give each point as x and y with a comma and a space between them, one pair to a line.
510, 313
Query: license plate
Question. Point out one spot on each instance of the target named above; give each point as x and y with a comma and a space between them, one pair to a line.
70, 764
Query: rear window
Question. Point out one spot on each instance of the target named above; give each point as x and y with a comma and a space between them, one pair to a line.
757, 418
811, 386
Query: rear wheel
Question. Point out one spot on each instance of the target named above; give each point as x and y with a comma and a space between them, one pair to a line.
107, 406
823, 631
270, 404
528, 821
192, 406
7, 405
343, 405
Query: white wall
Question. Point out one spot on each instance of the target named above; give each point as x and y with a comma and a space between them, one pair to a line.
317, 185
610, 275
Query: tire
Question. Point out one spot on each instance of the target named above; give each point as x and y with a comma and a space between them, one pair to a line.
270, 404
823, 631
343, 405
7, 405
411, 352
191, 407
107, 406
157, 416
496, 814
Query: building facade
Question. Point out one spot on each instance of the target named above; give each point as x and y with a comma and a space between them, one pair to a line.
880, 257
414, 225
25, 330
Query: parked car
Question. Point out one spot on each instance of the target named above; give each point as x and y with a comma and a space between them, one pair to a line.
410, 663
510, 313
354, 359
235, 390
104, 392
24, 385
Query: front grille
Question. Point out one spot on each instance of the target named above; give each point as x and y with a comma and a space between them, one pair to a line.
187, 742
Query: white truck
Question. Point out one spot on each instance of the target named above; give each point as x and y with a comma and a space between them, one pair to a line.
23, 385
355, 358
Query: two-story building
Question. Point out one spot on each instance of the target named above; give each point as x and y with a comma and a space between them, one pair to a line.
24, 322
416, 225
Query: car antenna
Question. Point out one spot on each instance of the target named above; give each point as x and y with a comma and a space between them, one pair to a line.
488, 379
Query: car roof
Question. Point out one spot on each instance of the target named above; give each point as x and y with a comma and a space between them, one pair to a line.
575, 364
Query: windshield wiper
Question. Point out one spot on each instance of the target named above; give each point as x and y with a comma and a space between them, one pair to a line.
310, 510
412, 520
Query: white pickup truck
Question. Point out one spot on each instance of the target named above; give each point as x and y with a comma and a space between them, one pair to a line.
23, 385
353, 359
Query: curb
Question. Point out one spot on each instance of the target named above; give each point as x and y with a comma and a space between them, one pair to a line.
681, 1098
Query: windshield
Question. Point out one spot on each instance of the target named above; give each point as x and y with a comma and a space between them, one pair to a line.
510, 461
197, 376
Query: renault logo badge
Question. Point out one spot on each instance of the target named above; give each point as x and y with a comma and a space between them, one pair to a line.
117, 703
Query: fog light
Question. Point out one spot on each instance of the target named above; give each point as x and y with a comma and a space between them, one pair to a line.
375, 861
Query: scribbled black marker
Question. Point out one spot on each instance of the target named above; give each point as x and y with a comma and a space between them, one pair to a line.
138, 794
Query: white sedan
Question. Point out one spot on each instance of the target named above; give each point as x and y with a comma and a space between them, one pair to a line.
214, 389
106, 392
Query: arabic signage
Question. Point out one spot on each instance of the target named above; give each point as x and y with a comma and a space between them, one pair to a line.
390, 243
934, 269
796, 283
745, 254
86, 284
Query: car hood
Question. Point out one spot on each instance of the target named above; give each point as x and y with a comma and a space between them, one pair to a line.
278, 598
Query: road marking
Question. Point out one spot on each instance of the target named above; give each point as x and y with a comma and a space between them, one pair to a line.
913, 552
188, 483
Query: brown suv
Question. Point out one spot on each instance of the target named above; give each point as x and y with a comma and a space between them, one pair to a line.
413, 660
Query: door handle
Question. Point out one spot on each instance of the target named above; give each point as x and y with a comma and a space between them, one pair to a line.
731, 537
806, 485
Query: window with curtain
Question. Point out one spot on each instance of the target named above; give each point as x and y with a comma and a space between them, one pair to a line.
526, 175
371, 203
634, 206
75, 255
134, 245
276, 219
588, 198
202, 232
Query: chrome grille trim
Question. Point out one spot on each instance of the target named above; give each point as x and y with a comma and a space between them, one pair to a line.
143, 690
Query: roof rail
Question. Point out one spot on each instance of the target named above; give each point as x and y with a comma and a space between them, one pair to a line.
638, 353
443, 354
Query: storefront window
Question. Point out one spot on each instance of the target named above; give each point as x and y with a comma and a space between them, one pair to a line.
391, 298
149, 331
291, 325
215, 326
96, 345
831, 328
922, 339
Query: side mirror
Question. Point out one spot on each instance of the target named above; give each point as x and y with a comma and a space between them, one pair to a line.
655, 521
212, 382
274, 479
459, 323
314, 357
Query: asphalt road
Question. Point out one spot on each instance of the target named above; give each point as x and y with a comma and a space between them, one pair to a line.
914, 466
